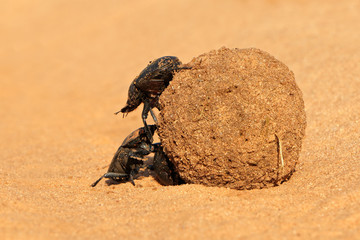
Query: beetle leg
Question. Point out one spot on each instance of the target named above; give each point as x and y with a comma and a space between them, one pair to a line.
138, 158
156, 147
97, 181
165, 169
109, 175
144, 115
161, 168
153, 116
131, 178
183, 66
139, 155
114, 175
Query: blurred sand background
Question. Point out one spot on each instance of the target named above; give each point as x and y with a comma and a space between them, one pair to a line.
65, 68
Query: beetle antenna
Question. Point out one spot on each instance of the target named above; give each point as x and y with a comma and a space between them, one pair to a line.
97, 181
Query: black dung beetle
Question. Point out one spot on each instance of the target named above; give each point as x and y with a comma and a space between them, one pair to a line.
148, 86
130, 156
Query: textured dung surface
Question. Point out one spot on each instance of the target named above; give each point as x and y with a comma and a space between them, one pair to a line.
221, 119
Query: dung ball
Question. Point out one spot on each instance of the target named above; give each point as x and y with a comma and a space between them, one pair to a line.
235, 119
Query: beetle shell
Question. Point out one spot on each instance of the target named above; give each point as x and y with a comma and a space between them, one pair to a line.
157, 75
137, 137
123, 163
151, 82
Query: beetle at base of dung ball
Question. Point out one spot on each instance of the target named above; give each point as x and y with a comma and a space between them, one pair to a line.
130, 157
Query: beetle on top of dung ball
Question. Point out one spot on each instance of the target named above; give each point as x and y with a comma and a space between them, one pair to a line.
149, 84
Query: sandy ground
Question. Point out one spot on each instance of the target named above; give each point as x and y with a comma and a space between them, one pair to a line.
65, 67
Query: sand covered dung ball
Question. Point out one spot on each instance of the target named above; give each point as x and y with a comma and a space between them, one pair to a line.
236, 119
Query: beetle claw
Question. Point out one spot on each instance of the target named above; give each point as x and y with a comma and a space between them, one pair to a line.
131, 180
97, 181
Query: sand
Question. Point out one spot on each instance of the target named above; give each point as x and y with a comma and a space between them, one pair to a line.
65, 68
